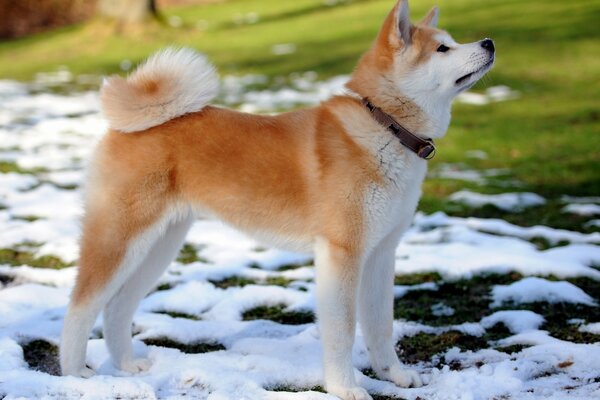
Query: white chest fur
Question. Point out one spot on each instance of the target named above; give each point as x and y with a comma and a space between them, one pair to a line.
389, 206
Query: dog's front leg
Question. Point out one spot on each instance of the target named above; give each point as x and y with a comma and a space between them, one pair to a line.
338, 271
376, 313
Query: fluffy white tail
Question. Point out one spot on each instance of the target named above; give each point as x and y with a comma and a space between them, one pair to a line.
170, 83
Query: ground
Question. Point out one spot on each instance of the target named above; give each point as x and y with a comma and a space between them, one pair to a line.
485, 308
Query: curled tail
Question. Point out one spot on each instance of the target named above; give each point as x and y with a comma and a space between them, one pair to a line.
170, 83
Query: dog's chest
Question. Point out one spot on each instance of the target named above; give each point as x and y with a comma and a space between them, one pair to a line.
390, 205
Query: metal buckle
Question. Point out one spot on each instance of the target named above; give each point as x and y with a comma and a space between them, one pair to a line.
427, 151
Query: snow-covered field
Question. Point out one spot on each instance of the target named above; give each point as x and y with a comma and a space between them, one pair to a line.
234, 320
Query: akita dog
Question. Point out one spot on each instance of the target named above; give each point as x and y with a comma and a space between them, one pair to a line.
342, 179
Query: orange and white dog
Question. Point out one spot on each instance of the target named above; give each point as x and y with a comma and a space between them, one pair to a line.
339, 179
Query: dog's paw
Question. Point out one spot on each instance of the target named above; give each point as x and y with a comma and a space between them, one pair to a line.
405, 378
84, 372
355, 393
136, 365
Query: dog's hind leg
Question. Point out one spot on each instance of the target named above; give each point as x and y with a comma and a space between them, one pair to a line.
114, 242
118, 313
376, 310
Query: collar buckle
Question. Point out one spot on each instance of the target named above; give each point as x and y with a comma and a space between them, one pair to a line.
427, 152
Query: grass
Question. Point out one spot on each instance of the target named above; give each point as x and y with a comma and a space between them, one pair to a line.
233, 281
42, 356
415, 279
17, 258
279, 314
11, 166
422, 347
189, 254
239, 281
176, 314
190, 348
469, 298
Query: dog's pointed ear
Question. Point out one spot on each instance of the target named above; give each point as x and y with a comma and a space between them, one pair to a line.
396, 30
431, 19
402, 22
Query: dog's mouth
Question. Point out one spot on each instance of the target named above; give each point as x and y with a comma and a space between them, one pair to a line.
479, 72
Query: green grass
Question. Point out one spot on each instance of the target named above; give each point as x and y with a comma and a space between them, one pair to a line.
415, 279
10, 166
233, 281
17, 258
176, 314
189, 254
279, 314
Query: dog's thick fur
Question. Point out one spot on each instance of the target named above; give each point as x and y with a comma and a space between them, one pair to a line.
329, 179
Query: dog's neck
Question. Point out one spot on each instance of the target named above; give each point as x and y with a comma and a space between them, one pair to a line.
423, 117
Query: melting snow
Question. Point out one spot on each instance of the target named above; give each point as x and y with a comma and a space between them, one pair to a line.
582, 209
504, 201
533, 289
516, 321
591, 328
491, 95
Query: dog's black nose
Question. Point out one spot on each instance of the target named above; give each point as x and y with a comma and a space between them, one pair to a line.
488, 44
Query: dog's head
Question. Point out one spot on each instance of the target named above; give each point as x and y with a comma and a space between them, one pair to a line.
419, 62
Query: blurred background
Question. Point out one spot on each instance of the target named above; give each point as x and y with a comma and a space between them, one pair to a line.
544, 133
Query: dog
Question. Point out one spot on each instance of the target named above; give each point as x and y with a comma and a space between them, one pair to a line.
342, 179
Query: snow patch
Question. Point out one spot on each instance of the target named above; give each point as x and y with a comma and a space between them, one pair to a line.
533, 289
582, 209
505, 201
516, 321
593, 327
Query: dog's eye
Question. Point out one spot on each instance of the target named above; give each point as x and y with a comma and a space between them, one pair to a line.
443, 48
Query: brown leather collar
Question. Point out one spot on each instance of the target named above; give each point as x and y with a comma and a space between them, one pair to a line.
424, 148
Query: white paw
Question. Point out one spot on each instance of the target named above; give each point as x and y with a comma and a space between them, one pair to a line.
84, 372
355, 393
406, 378
136, 365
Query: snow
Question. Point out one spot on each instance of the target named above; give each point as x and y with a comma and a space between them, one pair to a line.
582, 209
516, 321
463, 173
580, 199
283, 49
594, 223
505, 201
401, 290
590, 328
50, 137
533, 289
491, 95
440, 310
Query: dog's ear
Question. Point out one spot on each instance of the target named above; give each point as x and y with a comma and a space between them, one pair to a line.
402, 22
396, 30
431, 19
